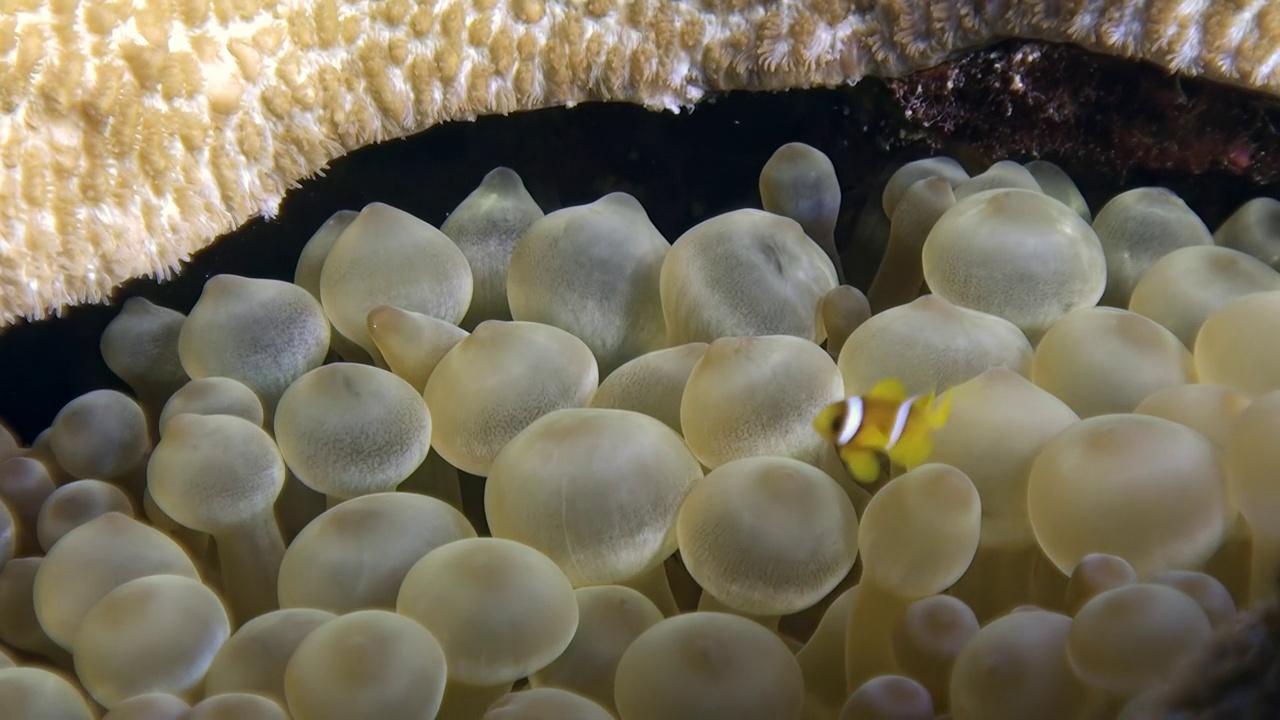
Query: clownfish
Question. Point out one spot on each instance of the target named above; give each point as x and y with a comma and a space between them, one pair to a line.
885, 421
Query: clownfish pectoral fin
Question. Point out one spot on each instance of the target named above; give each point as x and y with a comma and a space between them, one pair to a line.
862, 464
870, 436
890, 389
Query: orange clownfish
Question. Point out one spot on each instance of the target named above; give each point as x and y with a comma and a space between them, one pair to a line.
884, 421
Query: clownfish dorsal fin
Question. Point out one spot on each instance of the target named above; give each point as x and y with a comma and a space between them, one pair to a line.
890, 389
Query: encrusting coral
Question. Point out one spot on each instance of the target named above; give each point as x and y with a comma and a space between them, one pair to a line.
133, 134
649, 529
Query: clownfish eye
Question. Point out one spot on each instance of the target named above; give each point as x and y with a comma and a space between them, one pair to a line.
837, 421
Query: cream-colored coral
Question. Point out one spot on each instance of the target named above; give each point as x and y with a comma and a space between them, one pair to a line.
133, 132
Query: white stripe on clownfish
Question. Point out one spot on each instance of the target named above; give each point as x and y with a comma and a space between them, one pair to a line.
852, 420
900, 422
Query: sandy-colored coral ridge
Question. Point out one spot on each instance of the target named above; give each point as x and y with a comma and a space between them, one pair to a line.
133, 132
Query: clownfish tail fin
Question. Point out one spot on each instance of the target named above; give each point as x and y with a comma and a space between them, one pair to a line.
939, 409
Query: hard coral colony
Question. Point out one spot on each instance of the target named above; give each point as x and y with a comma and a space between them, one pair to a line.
271, 525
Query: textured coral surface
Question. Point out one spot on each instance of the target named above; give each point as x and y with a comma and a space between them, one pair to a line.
133, 134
